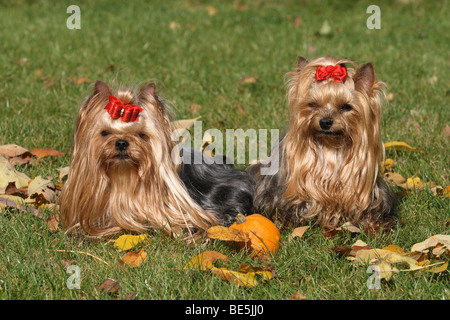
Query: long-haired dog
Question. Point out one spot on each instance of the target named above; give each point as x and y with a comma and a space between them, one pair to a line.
123, 175
330, 155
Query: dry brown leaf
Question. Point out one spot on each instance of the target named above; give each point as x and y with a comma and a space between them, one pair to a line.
134, 259
184, 124
298, 232
9, 174
53, 222
394, 178
193, 108
109, 286
12, 150
440, 244
297, 22
41, 190
47, 152
227, 234
174, 25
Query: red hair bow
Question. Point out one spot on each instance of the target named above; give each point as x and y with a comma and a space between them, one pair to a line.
127, 112
337, 73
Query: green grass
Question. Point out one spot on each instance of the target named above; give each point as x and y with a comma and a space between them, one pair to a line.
202, 62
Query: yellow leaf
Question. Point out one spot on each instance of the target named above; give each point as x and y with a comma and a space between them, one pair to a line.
249, 79
245, 276
394, 248
227, 234
205, 260
386, 270
439, 269
399, 146
412, 183
371, 256
387, 165
211, 10
134, 259
394, 178
126, 241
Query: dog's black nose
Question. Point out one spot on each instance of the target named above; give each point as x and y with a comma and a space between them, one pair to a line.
122, 145
326, 123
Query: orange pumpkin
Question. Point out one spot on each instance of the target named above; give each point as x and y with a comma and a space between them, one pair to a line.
264, 234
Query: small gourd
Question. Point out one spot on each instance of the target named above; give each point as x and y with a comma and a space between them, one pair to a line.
264, 234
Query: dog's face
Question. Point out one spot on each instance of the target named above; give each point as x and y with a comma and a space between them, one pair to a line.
331, 116
118, 147
334, 114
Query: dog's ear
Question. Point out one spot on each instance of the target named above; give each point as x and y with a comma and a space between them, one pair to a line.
150, 89
301, 63
365, 78
101, 87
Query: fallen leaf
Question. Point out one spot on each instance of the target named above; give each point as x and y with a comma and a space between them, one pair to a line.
440, 243
9, 174
386, 271
127, 241
174, 25
394, 178
396, 249
211, 10
41, 190
184, 124
297, 22
193, 108
399, 146
53, 222
12, 150
19, 204
297, 296
298, 232
47, 152
63, 173
375, 256
204, 261
387, 165
349, 227
325, 29
249, 79
245, 276
109, 286
134, 259
440, 268
227, 234
412, 183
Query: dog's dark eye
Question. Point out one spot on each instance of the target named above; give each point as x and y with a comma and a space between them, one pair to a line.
312, 105
346, 107
143, 136
105, 133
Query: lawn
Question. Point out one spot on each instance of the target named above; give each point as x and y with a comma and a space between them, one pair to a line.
198, 52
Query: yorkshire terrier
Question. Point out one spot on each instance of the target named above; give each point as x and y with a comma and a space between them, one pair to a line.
329, 158
123, 175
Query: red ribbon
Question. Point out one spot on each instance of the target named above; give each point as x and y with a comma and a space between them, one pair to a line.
127, 112
337, 73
